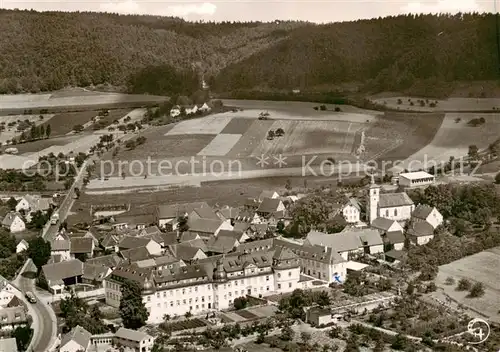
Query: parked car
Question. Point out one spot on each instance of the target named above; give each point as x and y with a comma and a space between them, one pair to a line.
30, 297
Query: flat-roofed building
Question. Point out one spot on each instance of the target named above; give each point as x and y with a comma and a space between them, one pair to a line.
416, 179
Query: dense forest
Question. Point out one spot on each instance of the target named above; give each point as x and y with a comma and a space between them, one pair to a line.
47, 51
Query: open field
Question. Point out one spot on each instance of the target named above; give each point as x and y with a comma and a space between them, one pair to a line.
71, 99
447, 105
481, 267
251, 138
220, 145
454, 138
298, 109
237, 126
212, 124
309, 137
63, 123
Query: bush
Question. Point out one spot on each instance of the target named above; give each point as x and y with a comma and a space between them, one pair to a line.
497, 179
477, 290
240, 303
463, 285
449, 281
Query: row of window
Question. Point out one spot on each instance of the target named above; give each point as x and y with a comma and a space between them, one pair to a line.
179, 302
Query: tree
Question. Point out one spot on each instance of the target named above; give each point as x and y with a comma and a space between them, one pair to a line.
22, 334
42, 131
48, 131
11, 203
132, 309
305, 337
464, 285
270, 134
399, 342
497, 179
38, 251
323, 299
410, 289
477, 290
287, 333
279, 132
288, 185
473, 152
240, 303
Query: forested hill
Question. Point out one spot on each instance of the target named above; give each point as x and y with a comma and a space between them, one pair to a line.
47, 51
50, 50
390, 54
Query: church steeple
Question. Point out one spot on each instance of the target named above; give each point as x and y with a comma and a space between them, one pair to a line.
372, 201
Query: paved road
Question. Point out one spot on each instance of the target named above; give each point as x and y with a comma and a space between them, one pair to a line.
49, 232
44, 326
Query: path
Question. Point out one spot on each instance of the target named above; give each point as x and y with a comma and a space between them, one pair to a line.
44, 319
49, 231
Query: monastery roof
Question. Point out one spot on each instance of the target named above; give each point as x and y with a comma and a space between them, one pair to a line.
388, 200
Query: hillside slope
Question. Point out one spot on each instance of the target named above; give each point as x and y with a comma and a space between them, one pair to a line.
390, 54
47, 51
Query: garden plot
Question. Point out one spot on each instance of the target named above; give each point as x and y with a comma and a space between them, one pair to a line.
454, 138
481, 267
251, 139
309, 137
220, 145
212, 124
11, 132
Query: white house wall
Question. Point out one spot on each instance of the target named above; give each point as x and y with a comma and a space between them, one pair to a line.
397, 213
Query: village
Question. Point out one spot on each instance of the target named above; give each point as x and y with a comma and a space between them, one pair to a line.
192, 261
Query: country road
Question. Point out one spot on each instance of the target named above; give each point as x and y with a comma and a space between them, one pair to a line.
44, 319
49, 231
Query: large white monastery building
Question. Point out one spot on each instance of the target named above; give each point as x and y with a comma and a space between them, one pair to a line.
258, 269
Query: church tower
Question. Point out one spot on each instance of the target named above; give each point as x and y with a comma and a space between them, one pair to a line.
372, 201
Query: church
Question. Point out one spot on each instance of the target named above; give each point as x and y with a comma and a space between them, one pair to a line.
392, 206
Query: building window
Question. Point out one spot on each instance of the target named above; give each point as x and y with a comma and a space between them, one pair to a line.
395, 212
279, 286
289, 284
387, 213
267, 278
149, 298
279, 275
289, 273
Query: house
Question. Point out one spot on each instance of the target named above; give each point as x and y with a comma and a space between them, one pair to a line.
205, 108
370, 239
393, 206
8, 344
207, 227
189, 236
13, 317
421, 232
95, 274
61, 235
134, 340
386, 225
62, 274
22, 246
129, 242
60, 248
345, 245
7, 292
13, 222
150, 231
77, 340
269, 206
175, 111
222, 244
427, 213
393, 240
203, 213
186, 252
268, 194
240, 236
81, 246
247, 216
31, 204
317, 316
110, 242
415, 179
352, 211
167, 215
228, 213
135, 254
110, 261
